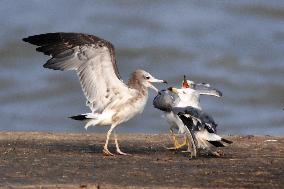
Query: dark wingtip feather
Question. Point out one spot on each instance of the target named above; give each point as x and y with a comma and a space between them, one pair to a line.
43, 39
227, 141
26, 39
51, 66
53, 44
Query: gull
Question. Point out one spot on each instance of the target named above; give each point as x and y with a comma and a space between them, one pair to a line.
167, 100
194, 117
185, 110
111, 101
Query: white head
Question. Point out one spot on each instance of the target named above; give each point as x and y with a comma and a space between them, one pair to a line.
199, 88
145, 79
190, 93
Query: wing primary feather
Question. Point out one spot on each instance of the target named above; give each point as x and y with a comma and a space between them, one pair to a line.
92, 58
203, 119
56, 43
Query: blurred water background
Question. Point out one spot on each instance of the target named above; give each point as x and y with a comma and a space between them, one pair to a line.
236, 46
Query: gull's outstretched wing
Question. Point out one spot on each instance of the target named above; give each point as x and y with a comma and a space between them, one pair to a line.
91, 57
190, 114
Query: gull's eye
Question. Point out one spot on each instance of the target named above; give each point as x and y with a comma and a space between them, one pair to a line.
147, 77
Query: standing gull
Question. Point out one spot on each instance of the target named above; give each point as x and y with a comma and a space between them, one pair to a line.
189, 95
203, 127
196, 119
111, 101
167, 100
185, 111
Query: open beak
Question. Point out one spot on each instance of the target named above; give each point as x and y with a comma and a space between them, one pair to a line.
184, 83
205, 89
154, 80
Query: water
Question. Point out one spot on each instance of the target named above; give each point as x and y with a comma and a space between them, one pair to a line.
236, 46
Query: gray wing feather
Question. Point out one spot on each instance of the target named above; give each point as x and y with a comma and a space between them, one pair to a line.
66, 60
194, 112
204, 119
93, 60
57, 44
164, 101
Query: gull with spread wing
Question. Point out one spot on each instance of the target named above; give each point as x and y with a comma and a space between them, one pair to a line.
111, 101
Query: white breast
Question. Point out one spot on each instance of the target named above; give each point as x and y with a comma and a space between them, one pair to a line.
175, 121
131, 108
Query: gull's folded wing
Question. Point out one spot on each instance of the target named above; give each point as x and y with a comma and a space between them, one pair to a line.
164, 101
187, 114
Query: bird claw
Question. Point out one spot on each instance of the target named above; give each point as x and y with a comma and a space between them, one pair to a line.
106, 152
176, 146
171, 148
216, 154
192, 155
221, 152
186, 151
122, 153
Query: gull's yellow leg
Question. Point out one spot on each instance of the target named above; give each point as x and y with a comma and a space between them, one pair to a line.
185, 143
176, 143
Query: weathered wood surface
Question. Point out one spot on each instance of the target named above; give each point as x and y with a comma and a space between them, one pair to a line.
48, 160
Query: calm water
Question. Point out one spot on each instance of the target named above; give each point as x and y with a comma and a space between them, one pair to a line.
237, 46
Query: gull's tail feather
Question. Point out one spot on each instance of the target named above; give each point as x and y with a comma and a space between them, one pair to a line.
210, 141
226, 141
84, 117
90, 119
220, 143
206, 145
80, 117
217, 143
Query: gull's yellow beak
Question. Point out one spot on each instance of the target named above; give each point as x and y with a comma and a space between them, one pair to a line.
173, 89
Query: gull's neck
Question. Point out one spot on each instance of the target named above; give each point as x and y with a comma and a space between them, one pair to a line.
136, 84
140, 97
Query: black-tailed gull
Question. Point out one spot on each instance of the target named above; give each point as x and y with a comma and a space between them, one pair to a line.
185, 111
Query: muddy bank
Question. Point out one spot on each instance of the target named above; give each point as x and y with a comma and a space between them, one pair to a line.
30, 160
